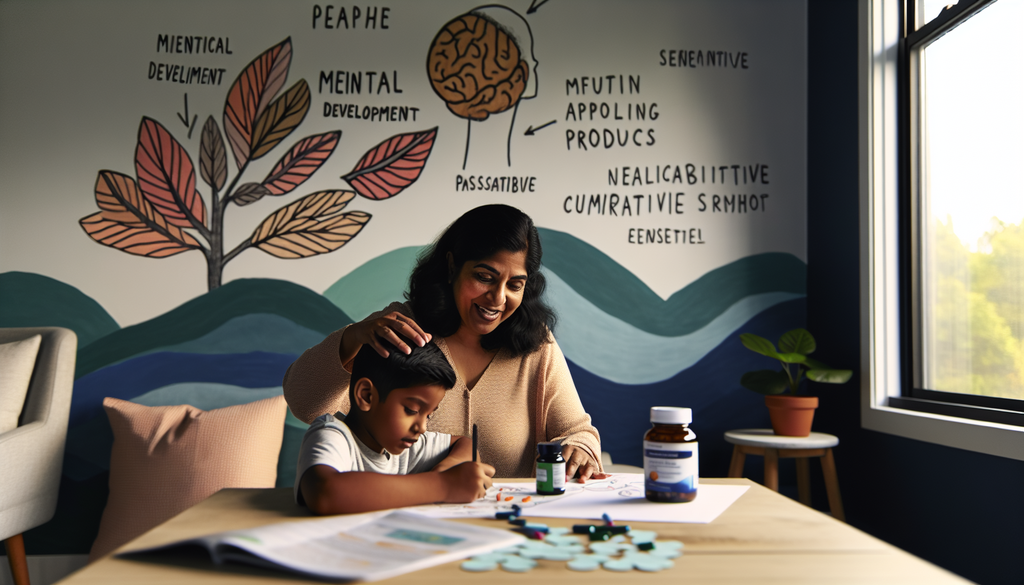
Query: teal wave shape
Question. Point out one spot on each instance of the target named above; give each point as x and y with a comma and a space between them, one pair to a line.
34, 300
248, 333
376, 283
207, 312
616, 291
208, 396
616, 350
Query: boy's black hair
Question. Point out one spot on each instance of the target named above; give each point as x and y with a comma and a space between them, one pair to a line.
424, 366
478, 234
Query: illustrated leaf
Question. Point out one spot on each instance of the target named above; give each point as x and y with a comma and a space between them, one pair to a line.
392, 165
278, 120
213, 159
250, 95
797, 341
118, 197
301, 162
765, 381
249, 193
166, 175
310, 226
134, 239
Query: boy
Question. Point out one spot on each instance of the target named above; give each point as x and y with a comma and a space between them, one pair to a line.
361, 463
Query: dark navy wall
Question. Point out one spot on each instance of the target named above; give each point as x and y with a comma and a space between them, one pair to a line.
960, 510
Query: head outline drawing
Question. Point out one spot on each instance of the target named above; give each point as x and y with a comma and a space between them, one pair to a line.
516, 27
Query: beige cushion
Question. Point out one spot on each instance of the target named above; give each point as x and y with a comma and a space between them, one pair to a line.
17, 360
165, 459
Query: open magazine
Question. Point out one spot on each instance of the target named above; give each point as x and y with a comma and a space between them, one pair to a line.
366, 547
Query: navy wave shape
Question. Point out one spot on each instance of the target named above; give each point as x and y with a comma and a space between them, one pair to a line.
131, 378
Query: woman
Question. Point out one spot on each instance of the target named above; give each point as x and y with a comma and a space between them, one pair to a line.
476, 292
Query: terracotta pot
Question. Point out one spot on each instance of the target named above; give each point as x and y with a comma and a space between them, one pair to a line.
791, 415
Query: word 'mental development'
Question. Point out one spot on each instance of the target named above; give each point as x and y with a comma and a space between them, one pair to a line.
189, 45
331, 17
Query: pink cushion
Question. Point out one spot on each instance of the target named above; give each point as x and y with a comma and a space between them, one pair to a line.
166, 459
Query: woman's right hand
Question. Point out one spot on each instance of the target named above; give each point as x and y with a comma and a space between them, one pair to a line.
392, 328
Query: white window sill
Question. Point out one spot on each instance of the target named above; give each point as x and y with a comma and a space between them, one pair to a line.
978, 436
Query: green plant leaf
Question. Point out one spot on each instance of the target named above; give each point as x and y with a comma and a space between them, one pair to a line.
830, 376
792, 358
815, 364
797, 341
758, 344
765, 381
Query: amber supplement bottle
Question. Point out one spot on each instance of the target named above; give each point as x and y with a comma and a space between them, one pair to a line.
550, 469
670, 456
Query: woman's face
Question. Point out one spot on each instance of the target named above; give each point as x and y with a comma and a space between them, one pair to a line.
488, 291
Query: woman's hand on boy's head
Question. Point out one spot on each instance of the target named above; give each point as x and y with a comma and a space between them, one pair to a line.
395, 328
467, 481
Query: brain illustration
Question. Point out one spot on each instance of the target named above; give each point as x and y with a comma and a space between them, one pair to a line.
476, 68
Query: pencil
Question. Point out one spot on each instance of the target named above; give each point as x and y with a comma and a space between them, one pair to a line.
474, 443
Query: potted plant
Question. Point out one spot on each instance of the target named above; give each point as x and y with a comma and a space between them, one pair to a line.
791, 412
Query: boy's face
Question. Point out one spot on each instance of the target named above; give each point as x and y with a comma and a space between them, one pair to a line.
397, 423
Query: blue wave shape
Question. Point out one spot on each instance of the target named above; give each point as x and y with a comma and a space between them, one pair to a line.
602, 344
711, 387
136, 376
248, 333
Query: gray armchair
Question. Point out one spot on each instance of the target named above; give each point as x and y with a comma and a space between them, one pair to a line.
31, 455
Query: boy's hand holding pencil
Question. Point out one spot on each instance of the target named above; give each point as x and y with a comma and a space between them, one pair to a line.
467, 481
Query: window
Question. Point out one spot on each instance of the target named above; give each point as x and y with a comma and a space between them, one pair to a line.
943, 247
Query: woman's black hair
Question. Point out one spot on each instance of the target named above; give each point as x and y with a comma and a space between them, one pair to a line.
478, 234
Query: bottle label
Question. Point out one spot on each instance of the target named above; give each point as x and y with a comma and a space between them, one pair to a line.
670, 467
550, 476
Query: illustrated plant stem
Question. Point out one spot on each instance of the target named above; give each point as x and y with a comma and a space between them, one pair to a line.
215, 259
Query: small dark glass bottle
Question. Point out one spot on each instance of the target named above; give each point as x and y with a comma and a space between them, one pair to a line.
670, 456
550, 469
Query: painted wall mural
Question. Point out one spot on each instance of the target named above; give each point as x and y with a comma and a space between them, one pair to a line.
231, 189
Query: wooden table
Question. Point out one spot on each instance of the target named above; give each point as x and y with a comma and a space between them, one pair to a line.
763, 538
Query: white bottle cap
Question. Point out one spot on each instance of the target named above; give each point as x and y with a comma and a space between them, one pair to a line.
671, 415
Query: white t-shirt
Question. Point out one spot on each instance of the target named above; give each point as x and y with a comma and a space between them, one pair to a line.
330, 442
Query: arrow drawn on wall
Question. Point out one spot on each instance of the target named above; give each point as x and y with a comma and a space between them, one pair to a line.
184, 119
534, 5
531, 130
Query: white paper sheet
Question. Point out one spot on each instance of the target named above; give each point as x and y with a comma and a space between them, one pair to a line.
621, 496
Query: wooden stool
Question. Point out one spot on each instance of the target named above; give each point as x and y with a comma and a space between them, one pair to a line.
773, 447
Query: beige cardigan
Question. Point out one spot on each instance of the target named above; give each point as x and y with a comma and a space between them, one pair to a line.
516, 403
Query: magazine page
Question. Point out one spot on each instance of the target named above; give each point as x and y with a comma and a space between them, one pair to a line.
365, 547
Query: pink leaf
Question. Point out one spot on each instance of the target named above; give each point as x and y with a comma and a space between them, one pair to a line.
166, 176
301, 162
391, 166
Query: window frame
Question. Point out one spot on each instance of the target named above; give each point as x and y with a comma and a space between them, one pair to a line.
889, 402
